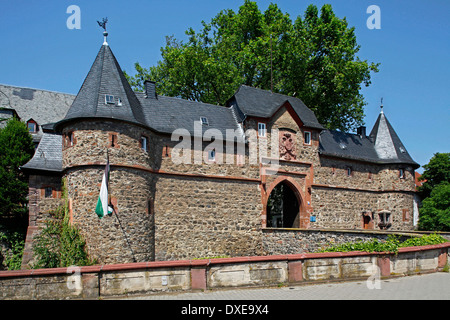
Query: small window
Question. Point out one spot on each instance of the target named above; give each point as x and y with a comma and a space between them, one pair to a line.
109, 99
144, 143
32, 126
261, 129
349, 171
307, 137
48, 192
204, 121
119, 102
212, 155
385, 220
70, 139
401, 173
113, 140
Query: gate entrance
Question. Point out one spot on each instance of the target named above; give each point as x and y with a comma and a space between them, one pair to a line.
283, 207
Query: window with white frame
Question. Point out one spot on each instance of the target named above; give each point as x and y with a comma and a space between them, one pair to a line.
109, 99
261, 129
307, 137
204, 121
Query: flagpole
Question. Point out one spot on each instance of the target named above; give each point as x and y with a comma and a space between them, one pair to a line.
115, 212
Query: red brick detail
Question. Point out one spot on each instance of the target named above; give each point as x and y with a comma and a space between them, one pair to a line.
198, 278
295, 270
384, 263
442, 259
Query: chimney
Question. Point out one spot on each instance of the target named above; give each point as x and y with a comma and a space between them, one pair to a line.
150, 89
361, 131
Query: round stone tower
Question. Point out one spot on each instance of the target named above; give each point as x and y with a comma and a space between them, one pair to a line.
106, 124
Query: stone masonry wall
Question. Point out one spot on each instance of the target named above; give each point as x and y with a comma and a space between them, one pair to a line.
206, 217
127, 234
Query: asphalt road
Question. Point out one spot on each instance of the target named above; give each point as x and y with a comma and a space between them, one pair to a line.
433, 286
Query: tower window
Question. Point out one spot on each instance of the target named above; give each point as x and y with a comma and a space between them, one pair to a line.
349, 171
204, 121
144, 143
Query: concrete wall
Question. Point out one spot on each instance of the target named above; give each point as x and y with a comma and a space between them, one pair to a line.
153, 277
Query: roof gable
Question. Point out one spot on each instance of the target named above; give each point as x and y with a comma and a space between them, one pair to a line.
262, 103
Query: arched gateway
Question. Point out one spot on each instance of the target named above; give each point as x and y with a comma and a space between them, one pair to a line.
284, 205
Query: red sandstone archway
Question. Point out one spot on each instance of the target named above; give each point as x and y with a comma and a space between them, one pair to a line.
301, 217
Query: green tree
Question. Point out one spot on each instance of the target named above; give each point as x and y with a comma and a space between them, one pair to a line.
435, 209
437, 170
313, 58
16, 149
435, 192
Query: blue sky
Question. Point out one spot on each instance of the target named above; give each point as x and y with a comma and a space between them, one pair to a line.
413, 47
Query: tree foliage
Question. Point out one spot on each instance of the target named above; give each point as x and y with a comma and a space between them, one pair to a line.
16, 149
435, 192
313, 58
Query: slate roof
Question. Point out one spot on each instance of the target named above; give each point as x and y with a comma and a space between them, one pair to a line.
262, 103
42, 106
162, 114
382, 146
166, 114
48, 155
105, 78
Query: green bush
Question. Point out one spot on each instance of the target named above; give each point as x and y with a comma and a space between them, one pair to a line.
15, 242
60, 244
390, 245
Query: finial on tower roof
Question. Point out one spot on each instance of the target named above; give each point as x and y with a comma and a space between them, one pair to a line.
381, 105
103, 25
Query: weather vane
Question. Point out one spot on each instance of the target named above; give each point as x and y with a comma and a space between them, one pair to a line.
103, 25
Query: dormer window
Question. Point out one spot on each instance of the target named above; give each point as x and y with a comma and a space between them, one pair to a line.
204, 121
109, 99
32, 126
119, 102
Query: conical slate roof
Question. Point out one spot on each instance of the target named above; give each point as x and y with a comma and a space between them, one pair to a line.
387, 144
106, 93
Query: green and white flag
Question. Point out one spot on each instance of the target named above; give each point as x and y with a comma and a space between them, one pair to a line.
102, 203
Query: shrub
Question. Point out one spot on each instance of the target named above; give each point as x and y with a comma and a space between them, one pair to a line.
390, 245
60, 244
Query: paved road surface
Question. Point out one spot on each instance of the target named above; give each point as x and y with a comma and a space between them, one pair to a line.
434, 286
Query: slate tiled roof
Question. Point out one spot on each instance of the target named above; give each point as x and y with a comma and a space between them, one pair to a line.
382, 146
262, 103
106, 78
48, 155
42, 106
166, 114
